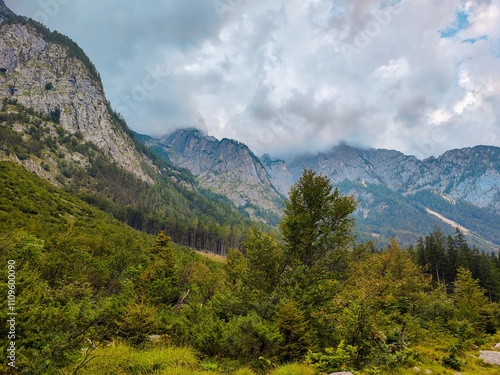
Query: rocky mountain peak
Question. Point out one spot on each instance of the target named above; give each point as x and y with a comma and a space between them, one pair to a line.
226, 166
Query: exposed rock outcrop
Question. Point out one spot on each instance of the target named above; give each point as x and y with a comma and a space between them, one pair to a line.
38, 70
226, 166
491, 357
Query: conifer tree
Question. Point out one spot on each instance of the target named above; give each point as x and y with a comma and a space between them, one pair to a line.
293, 327
469, 296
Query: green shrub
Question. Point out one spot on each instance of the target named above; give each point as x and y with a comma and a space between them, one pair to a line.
341, 358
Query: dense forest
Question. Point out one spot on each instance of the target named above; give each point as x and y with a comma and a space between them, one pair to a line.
94, 296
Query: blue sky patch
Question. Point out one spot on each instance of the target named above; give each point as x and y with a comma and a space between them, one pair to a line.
474, 40
461, 23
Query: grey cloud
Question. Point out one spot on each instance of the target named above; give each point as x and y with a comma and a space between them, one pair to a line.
276, 75
412, 112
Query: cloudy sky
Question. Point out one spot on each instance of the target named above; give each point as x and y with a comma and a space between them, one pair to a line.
288, 76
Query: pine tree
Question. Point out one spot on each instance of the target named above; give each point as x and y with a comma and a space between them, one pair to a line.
468, 296
159, 280
293, 327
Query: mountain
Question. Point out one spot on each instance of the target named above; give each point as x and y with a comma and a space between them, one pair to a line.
228, 167
399, 195
49, 73
57, 123
469, 174
461, 187
5, 13
55, 120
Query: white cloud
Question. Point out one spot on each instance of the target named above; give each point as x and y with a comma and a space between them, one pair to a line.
439, 116
395, 70
277, 75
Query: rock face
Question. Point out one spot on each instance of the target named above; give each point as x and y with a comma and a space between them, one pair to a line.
226, 166
279, 174
470, 174
43, 71
399, 195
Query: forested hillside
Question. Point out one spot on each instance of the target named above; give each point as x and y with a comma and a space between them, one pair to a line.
194, 217
57, 122
312, 298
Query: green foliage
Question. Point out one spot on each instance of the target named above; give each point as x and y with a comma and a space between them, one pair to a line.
265, 257
317, 223
452, 361
294, 329
121, 359
468, 296
294, 369
444, 255
194, 218
88, 281
250, 339
138, 321
341, 358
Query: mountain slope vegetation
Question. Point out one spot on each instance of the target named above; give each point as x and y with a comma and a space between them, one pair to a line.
194, 217
57, 122
96, 294
91, 282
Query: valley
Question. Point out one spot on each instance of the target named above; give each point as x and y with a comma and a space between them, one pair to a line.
183, 254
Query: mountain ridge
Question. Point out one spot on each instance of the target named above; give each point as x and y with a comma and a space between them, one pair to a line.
226, 166
55, 120
48, 72
460, 182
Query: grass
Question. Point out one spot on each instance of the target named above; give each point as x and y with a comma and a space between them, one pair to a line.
121, 359
211, 256
294, 369
430, 355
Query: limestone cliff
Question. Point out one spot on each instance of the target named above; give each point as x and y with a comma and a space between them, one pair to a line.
48, 72
228, 167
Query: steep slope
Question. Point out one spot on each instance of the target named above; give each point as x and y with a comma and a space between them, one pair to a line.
226, 166
470, 174
340, 164
71, 261
48, 72
56, 122
278, 173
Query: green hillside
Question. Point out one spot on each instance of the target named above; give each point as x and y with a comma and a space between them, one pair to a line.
192, 216
95, 296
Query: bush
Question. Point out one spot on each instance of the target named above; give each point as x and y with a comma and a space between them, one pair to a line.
252, 340
340, 359
452, 361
